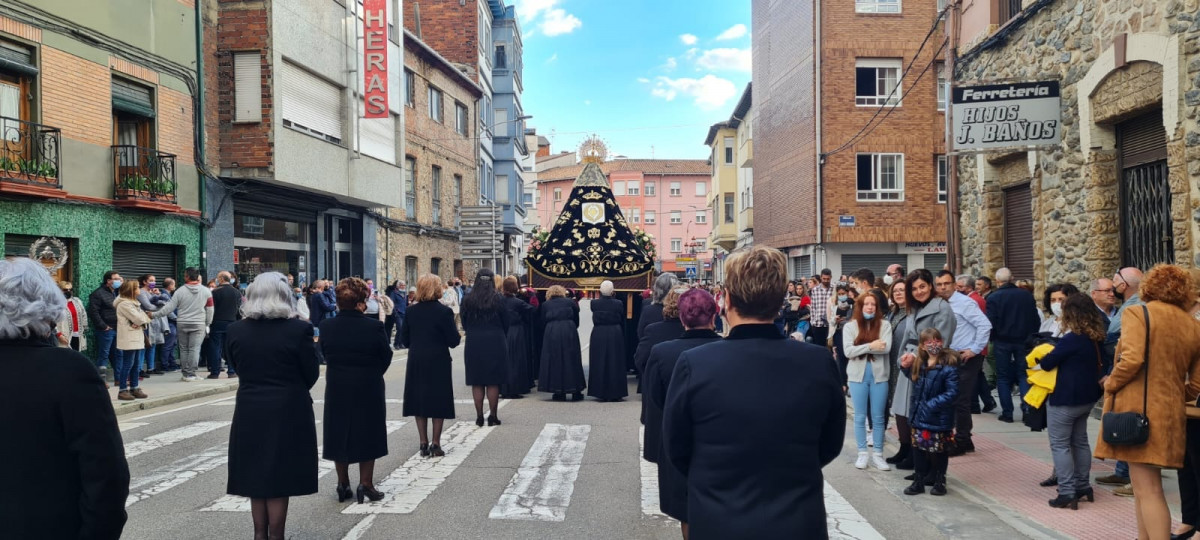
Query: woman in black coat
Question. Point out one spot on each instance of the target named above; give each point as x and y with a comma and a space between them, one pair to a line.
486, 355
698, 311
562, 358
665, 330
606, 355
429, 333
357, 355
273, 440
518, 313
65, 471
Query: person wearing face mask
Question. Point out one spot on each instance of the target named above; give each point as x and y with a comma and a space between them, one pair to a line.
301, 303
1052, 303
842, 304
867, 340
894, 274
103, 316
1126, 283
73, 321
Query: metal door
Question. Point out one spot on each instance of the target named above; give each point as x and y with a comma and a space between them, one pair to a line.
1147, 237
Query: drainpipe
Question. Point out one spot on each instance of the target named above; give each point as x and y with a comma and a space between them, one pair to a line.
820, 168
953, 212
200, 134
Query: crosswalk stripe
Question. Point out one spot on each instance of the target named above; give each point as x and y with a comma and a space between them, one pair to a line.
541, 488
843, 521
235, 503
219, 401
179, 472
360, 528
407, 486
167, 438
649, 472
126, 426
389, 401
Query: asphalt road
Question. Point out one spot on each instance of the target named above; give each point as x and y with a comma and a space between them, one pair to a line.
553, 470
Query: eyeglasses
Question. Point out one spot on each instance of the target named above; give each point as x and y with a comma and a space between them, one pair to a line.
1105, 291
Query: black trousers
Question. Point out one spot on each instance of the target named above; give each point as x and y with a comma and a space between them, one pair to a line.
968, 373
930, 466
819, 335
1189, 476
389, 323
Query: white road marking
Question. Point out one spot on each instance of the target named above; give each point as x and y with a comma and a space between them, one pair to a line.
361, 528
843, 521
649, 472
541, 489
167, 438
407, 486
235, 503
179, 472
126, 426
186, 407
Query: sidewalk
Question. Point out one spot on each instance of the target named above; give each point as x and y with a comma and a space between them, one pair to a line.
168, 389
1010, 461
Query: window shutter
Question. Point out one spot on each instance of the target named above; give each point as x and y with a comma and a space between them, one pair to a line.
132, 98
134, 259
1143, 140
247, 87
802, 267
311, 103
934, 261
17, 58
1018, 231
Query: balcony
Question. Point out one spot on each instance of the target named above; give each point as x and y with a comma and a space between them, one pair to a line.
29, 159
144, 178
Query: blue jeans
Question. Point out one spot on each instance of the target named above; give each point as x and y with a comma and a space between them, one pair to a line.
1010, 370
399, 329
1122, 469
126, 368
149, 356
168, 348
871, 396
106, 341
217, 337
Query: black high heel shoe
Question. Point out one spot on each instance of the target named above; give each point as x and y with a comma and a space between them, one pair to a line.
1087, 493
1062, 501
493, 421
435, 450
425, 450
559, 397
344, 492
479, 421
1184, 536
1052, 481
368, 493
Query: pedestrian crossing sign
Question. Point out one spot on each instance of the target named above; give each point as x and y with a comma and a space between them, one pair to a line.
691, 272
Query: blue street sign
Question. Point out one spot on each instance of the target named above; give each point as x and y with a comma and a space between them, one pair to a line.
691, 272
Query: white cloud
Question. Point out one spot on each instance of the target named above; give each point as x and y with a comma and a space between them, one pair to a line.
688, 39
529, 10
553, 58
734, 32
558, 22
725, 59
709, 92
691, 53
671, 64
643, 80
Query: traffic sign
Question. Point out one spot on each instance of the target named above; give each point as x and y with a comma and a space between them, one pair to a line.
691, 272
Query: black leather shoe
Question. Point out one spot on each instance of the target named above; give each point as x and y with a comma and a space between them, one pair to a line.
905, 464
493, 420
559, 397
344, 493
577, 397
939, 489
900, 455
1006, 418
916, 488
1065, 502
425, 450
989, 407
479, 421
1090, 495
435, 450
365, 492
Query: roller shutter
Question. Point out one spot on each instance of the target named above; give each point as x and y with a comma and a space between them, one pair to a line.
311, 103
17, 245
1018, 231
132, 259
132, 98
247, 86
877, 263
934, 261
802, 267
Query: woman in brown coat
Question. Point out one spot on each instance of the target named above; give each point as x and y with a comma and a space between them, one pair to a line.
1173, 367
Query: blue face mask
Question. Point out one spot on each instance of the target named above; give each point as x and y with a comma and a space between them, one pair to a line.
842, 298
117, 284
868, 316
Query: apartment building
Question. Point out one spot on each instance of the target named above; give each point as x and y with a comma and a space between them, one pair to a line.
722, 193
831, 190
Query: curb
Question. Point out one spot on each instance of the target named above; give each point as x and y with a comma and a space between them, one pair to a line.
141, 405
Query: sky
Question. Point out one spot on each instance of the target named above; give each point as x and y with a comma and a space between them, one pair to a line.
646, 76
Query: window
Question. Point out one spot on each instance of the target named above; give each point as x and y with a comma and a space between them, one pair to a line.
501, 57
729, 150
247, 87
650, 189
635, 215
942, 183
133, 115
877, 82
458, 200
460, 118
410, 88
435, 266
557, 194
503, 195
501, 122
941, 86
410, 270
15, 85
436, 182
701, 244
676, 245
410, 188
634, 187
676, 189
527, 199
728, 208
651, 217
881, 177
676, 217
435, 104
701, 216
618, 188
311, 104
877, 6
701, 189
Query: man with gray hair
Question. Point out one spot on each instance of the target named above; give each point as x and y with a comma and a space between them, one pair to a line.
965, 284
193, 306
1014, 316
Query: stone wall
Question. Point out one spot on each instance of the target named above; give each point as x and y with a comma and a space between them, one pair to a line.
1075, 186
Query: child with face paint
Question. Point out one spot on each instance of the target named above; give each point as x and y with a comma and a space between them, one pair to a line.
935, 387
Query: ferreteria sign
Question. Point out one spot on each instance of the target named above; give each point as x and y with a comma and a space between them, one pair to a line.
375, 72
1006, 116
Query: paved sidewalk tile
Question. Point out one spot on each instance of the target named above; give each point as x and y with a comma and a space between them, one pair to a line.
168, 389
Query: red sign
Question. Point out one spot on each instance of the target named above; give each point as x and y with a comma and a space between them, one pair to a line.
375, 42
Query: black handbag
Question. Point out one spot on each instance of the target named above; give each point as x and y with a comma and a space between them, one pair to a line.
1130, 428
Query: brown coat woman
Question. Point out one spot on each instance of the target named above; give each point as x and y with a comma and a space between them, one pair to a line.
1174, 377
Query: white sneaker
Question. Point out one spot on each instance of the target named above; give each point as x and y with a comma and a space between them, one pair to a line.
189, 378
861, 462
878, 462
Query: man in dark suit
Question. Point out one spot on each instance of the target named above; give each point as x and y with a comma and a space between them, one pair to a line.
753, 382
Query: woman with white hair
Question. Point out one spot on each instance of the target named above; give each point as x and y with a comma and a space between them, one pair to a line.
273, 440
64, 432
606, 356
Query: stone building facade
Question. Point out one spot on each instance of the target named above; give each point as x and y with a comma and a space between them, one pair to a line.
1122, 188
421, 236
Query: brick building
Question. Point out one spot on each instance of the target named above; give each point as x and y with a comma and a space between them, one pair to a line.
99, 154
439, 167
825, 195
666, 197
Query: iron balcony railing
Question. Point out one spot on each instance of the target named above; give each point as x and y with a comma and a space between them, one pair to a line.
144, 174
29, 153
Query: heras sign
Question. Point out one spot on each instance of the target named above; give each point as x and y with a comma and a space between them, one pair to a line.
375, 93
1006, 116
